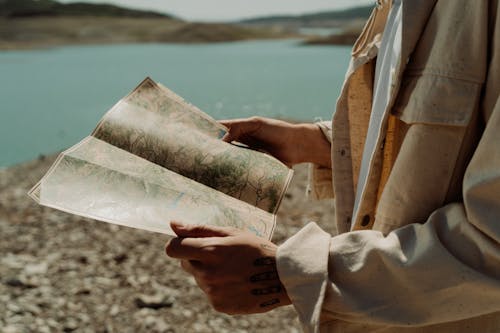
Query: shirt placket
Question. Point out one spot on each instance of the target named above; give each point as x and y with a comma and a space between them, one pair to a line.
342, 159
386, 81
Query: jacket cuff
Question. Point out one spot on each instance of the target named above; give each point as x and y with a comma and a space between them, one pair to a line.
326, 128
320, 184
302, 263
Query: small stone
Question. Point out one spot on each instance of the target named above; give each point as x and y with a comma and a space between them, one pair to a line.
32, 308
156, 324
199, 327
131, 280
14, 308
36, 269
14, 282
153, 302
76, 307
12, 261
104, 281
83, 292
12, 329
143, 279
70, 325
83, 318
43, 329
143, 313
187, 313
20, 283
115, 309
215, 323
53, 324
120, 258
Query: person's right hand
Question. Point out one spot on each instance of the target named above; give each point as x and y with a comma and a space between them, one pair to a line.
290, 143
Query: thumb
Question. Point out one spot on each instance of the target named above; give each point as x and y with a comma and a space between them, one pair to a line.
228, 137
200, 231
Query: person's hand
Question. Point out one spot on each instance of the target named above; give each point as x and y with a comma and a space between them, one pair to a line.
236, 269
290, 143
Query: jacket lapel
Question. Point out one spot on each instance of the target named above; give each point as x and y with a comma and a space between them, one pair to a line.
416, 13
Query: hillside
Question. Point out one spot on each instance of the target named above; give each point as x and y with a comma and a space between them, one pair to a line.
38, 8
47, 23
328, 18
341, 27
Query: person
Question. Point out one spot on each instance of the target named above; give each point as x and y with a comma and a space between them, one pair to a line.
412, 158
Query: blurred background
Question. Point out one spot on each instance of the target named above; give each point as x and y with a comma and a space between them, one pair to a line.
64, 64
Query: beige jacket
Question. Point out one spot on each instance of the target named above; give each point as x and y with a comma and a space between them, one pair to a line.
424, 255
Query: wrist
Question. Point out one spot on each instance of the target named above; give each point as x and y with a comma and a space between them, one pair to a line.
314, 147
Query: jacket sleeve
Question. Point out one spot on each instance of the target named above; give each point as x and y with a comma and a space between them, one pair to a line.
320, 178
447, 269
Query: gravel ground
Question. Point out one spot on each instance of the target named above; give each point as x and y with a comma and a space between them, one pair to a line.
63, 273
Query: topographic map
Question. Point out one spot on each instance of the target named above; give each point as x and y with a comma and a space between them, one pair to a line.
154, 158
157, 125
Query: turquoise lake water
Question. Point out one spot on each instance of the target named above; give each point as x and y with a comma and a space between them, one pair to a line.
51, 99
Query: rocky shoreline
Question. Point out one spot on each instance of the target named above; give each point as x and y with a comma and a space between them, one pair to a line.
63, 273
47, 32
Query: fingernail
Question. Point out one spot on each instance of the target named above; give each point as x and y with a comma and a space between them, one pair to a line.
177, 225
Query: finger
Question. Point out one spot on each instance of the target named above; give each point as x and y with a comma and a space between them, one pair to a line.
227, 122
200, 231
190, 266
187, 249
239, 128
228, 137
233, 134
231, 122
251, 120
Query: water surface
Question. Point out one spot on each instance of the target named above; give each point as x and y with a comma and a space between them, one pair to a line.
51, 99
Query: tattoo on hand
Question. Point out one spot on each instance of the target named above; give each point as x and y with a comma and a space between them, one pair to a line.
266, 261
266, 291
269, 303
266, 276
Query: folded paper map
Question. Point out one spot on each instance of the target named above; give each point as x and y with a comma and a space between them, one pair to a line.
155, 158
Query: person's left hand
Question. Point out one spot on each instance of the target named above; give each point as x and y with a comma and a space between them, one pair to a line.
236, 269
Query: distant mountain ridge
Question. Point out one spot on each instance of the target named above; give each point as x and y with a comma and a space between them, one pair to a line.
356, 13
44, 8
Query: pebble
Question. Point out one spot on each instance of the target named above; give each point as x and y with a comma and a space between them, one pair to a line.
115, 309
16, 261
36, 269
21, 282
153, 301
70, 324
12, 329
154, 324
